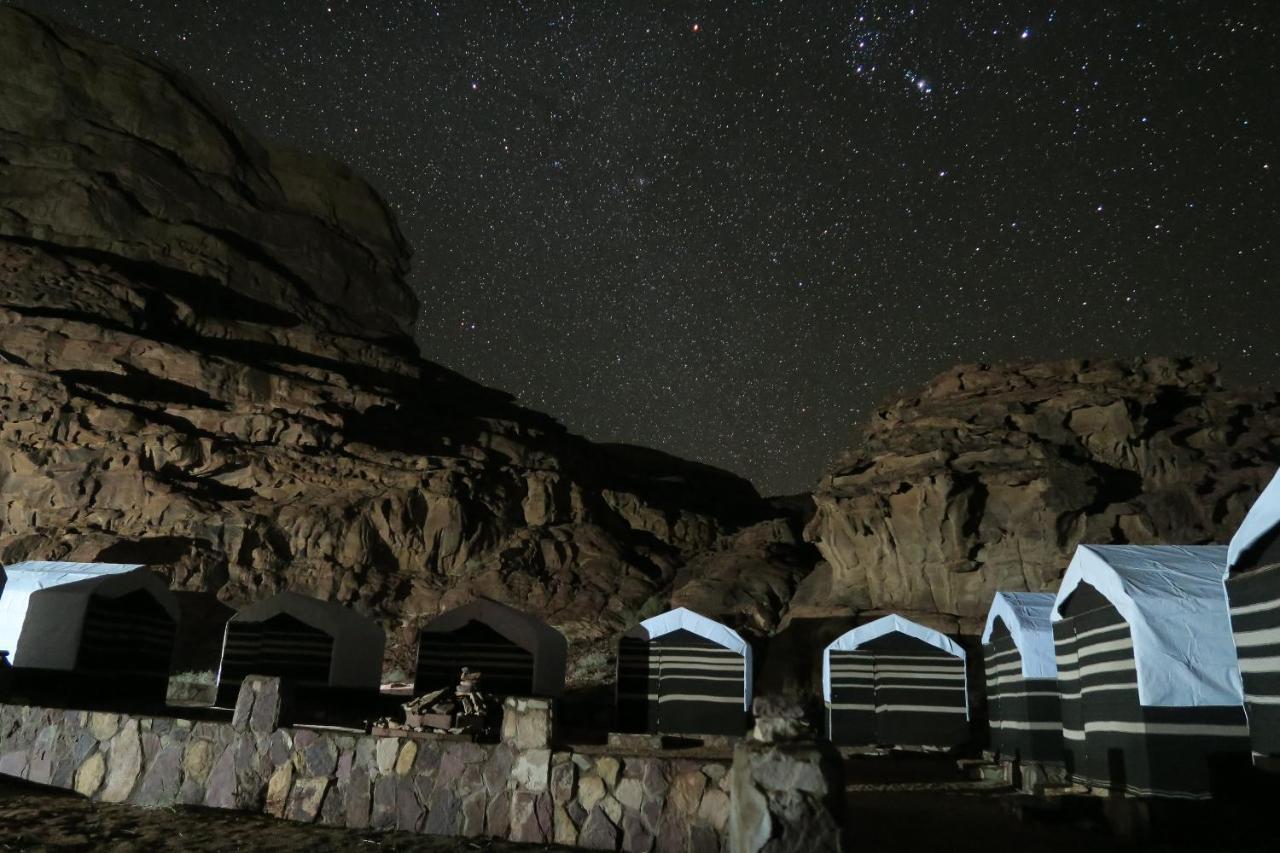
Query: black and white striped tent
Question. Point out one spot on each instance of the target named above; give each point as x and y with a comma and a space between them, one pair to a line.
516, 653
895, 682
1151, 695
1023, 705
316, 646
1253, 588
73, 627
684, 674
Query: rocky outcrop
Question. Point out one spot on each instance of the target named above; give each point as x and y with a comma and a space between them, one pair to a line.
205, 366
991, 476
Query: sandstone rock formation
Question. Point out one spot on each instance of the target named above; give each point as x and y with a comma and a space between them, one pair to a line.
205, 366
990, 476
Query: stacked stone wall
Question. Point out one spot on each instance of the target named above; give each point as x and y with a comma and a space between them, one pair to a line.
520, 788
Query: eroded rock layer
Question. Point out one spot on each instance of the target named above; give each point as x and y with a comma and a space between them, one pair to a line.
204, 365
991, 476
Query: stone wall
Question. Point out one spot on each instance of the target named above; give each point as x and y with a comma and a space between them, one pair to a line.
519, 789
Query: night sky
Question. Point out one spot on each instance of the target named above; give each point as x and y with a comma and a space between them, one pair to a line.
730, 230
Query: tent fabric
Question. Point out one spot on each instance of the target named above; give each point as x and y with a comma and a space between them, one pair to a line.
851, 640
683, 619
357, 640
1262, 518
1029, 618
547, 645
56, 646
1175, 603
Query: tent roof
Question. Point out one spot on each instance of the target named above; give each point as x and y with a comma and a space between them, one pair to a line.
336, 620
22, 580
1029, 618
1262, 518
1175, 602
524, 629
681, 618
684, 619
850, 640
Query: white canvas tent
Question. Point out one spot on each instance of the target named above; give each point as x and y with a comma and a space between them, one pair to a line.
682, 673
1028, 616
1173, 600
516, 652
48, 633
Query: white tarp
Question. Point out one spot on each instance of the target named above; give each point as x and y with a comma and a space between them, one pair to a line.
23, 579
1262, 518
1029, 618
684, 619
1175, 602
358, 641
892, 623
547, 645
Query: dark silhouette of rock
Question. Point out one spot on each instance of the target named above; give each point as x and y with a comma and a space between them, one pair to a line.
990, 476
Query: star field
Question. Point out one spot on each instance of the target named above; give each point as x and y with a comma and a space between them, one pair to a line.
729, 230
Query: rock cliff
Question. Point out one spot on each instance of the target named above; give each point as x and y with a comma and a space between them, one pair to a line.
205, 365
990, 476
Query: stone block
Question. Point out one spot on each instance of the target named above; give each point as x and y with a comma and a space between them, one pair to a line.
259, 704
630, 792
686, 792
278, 787
565, 830
89, 775
527, 723
532, 769
598, 832
443, 815
306, 798
531, 817
607, 768
591, 790
563, 777
124, 764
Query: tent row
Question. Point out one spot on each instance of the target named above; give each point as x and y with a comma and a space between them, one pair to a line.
1154, 670
74, 628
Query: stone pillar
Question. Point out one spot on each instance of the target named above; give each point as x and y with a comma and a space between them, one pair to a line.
786, 787
527, 723
259, 705
526, 730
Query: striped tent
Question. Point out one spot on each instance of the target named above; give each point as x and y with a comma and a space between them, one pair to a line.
682, 673
517, 654
1253, 588
1023, 704
893, 681
314, 645
1151, 697
73, 627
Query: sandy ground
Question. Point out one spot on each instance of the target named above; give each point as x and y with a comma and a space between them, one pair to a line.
43, 819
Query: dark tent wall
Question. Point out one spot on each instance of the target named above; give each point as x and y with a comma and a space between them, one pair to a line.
1025, 713
281, 646
1111, 739
516, 653
329, 656
894, 682
680, 673
507, 669
1253, 588
1023, 705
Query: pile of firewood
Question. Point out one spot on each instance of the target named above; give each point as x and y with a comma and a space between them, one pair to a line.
454, 710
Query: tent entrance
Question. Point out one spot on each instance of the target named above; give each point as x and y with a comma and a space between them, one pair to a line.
506, 668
